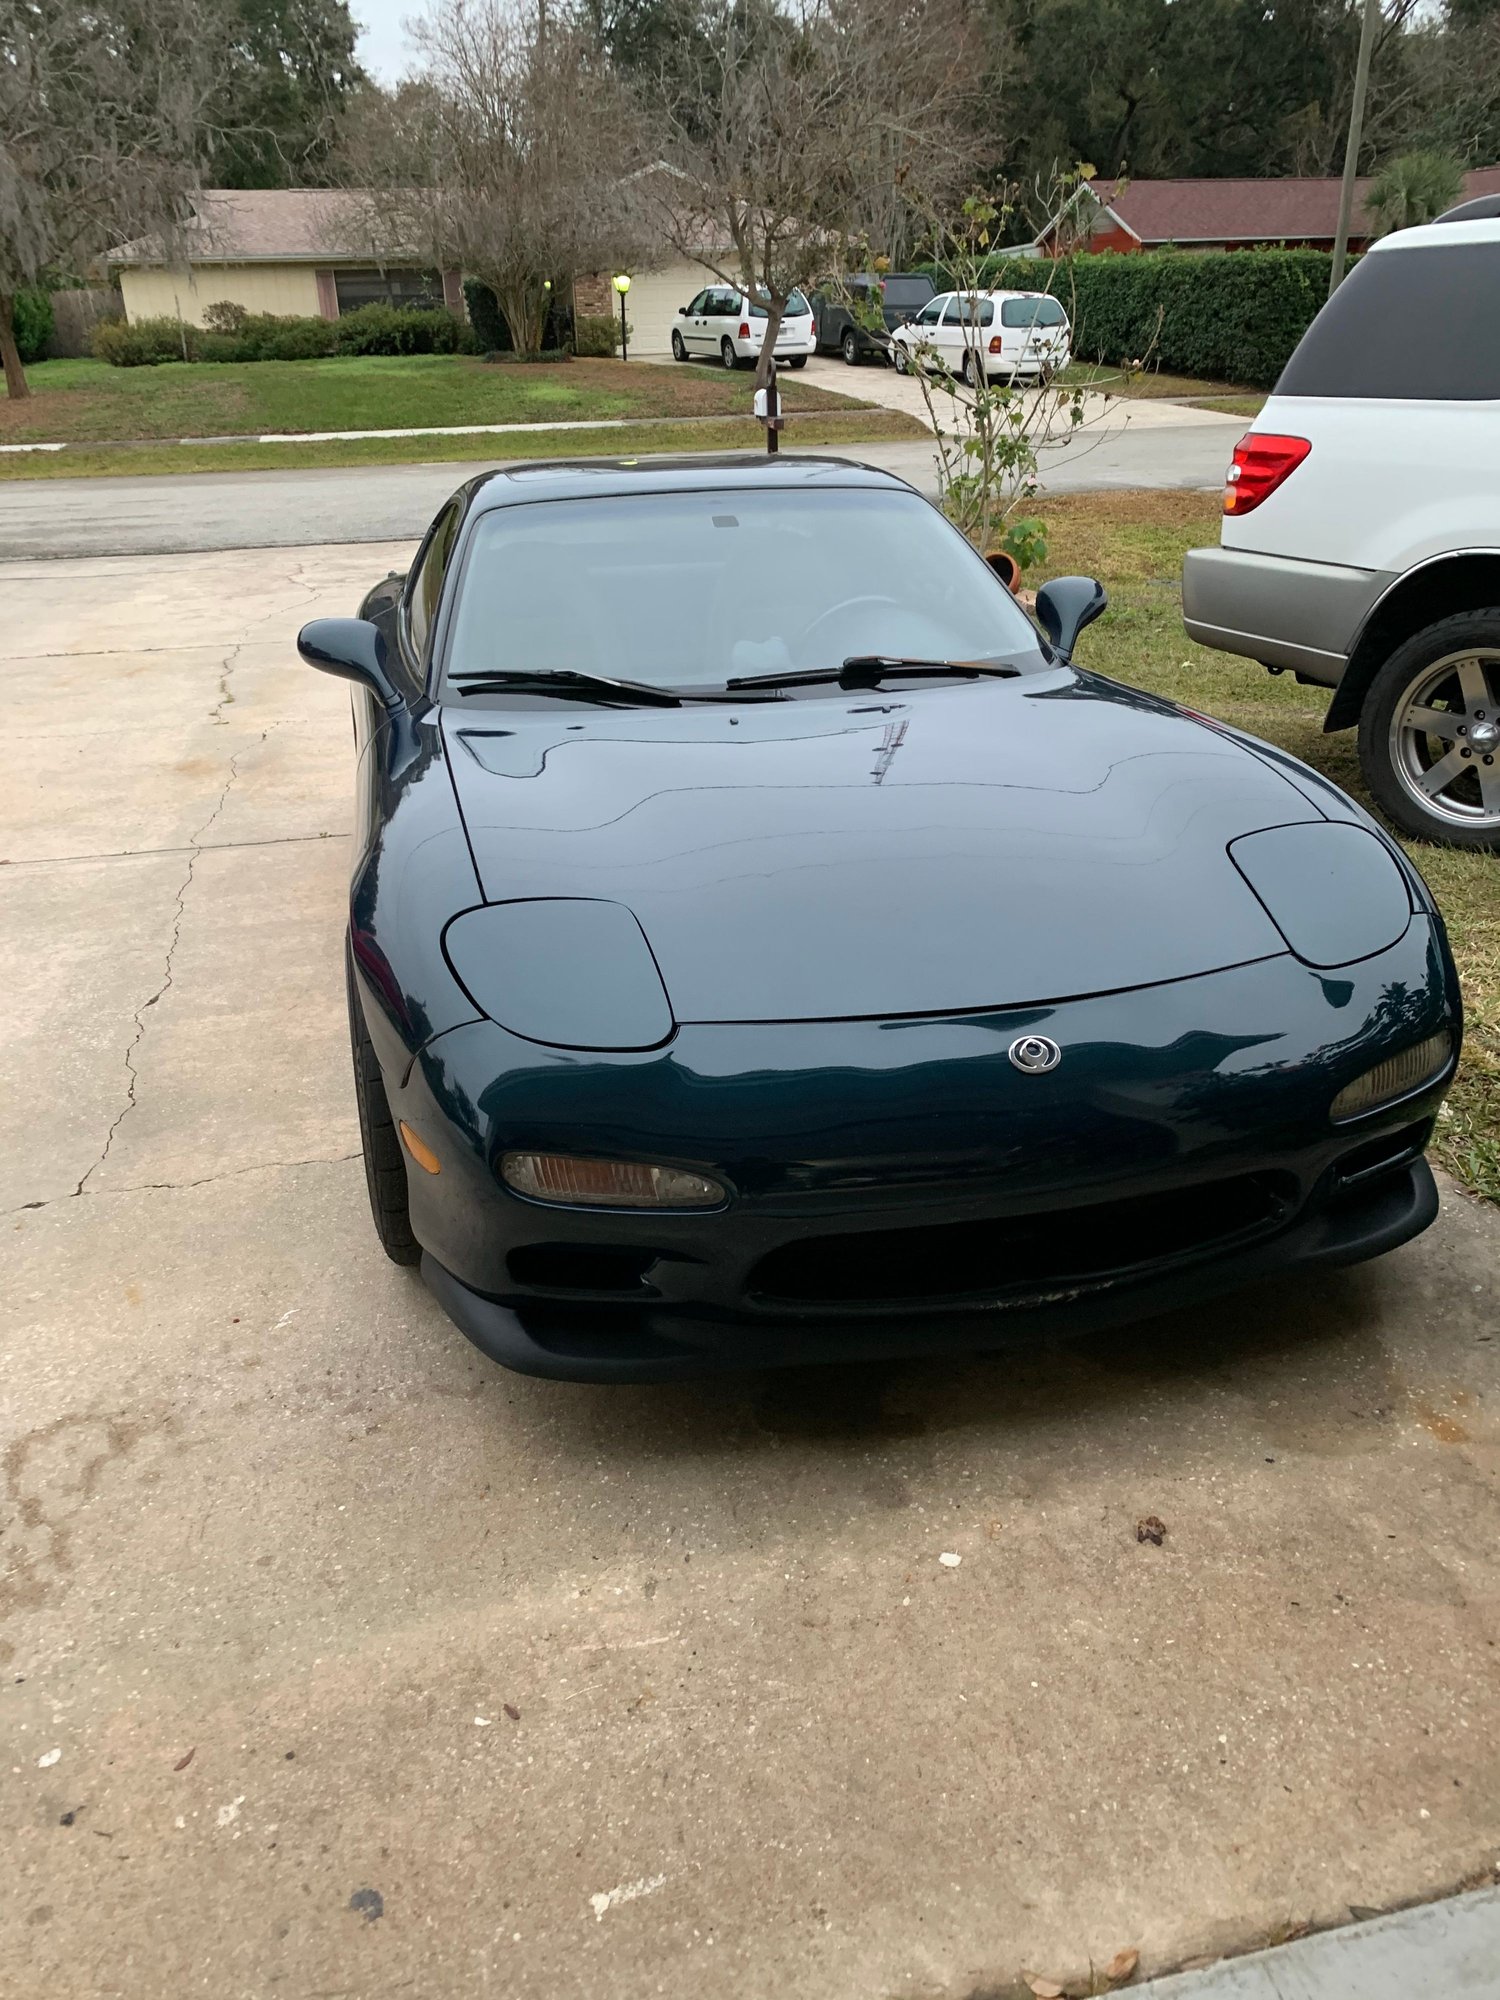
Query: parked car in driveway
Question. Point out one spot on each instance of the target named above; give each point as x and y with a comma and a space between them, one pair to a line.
845, 312
732, 325
1360, 546
1005, 336
767, 945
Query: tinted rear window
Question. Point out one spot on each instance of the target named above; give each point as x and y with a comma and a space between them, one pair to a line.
1032, 312
907, 292
1421, 325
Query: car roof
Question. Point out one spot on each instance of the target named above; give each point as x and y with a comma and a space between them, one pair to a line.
596, 478
1439, 236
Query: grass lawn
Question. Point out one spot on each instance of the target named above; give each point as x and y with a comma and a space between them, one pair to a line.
1135, 543
832, 427
88, 401
1233, 399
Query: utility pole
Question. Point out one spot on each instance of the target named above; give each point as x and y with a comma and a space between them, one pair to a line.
1351, 150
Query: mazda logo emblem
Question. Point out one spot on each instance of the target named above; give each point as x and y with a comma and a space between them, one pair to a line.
1035, 1054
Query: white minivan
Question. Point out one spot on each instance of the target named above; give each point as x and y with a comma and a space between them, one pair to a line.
1360, 547
1011, 336
732, 326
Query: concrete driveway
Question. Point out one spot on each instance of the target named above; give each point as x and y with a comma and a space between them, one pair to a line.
334, 1661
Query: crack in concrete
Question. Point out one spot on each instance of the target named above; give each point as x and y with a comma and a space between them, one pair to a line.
181, 1187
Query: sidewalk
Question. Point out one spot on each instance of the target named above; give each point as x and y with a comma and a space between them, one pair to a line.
1451, 1949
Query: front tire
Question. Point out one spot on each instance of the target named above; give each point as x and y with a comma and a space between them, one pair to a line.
385, 1166
903, 359
1429, 732
727, 354
850, 346
679, 348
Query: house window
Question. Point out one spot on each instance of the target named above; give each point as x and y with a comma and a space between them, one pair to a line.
389, 287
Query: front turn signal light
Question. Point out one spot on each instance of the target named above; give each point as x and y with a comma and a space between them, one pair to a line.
419, 1149
567, 1181
1395, 1078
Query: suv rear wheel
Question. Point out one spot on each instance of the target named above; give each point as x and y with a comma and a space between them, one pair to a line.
1429, 732
851, 347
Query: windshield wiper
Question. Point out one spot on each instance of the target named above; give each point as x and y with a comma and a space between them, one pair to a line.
570, 684
867, 670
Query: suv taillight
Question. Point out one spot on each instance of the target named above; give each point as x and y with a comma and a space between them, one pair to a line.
1262, 459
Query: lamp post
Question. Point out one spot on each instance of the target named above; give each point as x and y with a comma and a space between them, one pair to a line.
622, 286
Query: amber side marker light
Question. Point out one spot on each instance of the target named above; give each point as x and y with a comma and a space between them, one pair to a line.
420, 1151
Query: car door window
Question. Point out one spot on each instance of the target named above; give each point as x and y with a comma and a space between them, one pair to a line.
698, 303
424, 588
932, 312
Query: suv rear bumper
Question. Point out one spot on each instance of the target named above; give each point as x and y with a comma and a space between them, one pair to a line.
1283, 612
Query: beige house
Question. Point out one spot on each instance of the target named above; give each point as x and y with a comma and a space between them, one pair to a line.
273, 250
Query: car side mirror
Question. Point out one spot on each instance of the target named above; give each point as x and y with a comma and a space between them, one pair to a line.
352, 648
1005, 566
682, 312
1064, 606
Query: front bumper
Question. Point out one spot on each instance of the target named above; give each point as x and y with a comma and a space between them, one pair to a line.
898, 1185
1281, 611
582, 1345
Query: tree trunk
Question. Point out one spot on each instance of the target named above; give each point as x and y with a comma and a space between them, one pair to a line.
16, 385
525, 308
775, 307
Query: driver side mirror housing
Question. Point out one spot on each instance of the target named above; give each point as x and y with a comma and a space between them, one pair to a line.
1065, 606
682, 312
354, 650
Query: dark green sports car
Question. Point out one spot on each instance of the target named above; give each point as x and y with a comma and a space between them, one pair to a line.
767, 945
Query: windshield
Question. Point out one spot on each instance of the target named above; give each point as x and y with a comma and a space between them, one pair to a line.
1032, 312
794, 305
688, 590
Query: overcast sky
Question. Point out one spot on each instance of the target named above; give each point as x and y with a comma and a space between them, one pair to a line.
382, 45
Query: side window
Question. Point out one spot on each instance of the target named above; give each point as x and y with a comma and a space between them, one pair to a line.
932, 312
1417, 325
424, 587
953, 312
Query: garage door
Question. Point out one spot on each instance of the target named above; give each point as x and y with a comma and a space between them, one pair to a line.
652, 305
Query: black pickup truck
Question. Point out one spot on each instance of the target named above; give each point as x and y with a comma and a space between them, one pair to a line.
902, 294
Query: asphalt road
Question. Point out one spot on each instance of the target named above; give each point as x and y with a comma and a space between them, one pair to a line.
333, 1660
288, 509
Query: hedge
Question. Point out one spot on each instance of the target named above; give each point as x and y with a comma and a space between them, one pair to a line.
232, 334
32, 322
1229, 316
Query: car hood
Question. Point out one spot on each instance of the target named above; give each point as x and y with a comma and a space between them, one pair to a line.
969, 845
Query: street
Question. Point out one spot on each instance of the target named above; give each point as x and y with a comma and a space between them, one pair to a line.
246, 510
335, 1660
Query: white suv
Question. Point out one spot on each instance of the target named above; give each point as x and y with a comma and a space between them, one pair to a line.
1013, 336
731, 325
1361, 539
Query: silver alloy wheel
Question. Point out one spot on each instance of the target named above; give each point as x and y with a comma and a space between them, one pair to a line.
1445, 739
727, 354
903, 359
851, 348
679, 346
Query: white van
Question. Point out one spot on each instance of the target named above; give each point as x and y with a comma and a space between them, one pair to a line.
1360, 547
1014, 336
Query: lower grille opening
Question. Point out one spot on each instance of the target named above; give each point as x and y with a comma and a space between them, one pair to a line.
1379, 1156
955, 1258
580, 1267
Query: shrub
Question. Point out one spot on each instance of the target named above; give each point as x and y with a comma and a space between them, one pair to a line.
596, 334
32, 319
225, 316
142, 343
492, 335
378, 329
220, 347
508, 356
301, 340
1232, 316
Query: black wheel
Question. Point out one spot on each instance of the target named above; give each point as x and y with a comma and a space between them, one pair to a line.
727, 354
385, 1166
1429, 732
798, 361
966, 370
679, 351
901, 357
850, 346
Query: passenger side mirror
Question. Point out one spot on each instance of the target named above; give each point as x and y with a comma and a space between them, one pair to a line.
352, 648
1064, 606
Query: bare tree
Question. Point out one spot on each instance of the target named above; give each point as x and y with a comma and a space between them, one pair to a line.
507, 155
101, 111
799, 128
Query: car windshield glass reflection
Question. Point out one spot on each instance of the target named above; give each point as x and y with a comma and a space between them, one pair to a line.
691, 590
